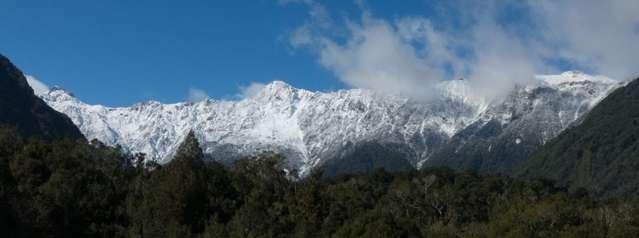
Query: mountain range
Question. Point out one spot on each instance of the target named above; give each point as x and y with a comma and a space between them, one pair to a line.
352, 130
577, 130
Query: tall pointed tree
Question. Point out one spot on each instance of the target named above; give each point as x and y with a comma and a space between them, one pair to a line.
189, 151
176, 197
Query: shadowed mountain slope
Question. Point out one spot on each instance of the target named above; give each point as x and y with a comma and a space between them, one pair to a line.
30, 115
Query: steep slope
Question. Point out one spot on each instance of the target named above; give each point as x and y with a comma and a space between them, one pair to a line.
30, 115
601, 154
508, 132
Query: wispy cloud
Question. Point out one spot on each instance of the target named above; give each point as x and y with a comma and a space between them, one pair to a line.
409, 55
251, 90
376, 56
315, 26
196, 95
600, 35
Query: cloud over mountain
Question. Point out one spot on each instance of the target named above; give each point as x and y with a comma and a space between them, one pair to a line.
496, 44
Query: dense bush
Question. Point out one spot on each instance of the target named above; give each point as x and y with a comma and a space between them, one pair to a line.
79, 189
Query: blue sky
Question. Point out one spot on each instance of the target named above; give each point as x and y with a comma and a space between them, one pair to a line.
121, 52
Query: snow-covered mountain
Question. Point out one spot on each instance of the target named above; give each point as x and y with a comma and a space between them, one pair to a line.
310, 128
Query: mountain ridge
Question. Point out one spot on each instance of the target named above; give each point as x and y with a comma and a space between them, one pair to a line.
310, 128
508, 133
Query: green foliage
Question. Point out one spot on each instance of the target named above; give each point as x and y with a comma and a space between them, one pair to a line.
174, 196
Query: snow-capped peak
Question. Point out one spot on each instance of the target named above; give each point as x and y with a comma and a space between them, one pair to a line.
59, 90
460, 90
57, 93
574, 77
277, 90
278, 85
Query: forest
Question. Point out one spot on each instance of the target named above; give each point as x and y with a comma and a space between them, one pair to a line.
75, 188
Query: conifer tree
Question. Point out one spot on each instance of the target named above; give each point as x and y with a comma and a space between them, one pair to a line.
176, 196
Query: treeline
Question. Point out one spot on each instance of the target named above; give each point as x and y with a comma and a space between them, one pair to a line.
80, 189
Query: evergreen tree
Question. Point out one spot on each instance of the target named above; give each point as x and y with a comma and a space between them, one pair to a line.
175, 198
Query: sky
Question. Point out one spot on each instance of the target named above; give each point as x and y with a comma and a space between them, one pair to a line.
118, 53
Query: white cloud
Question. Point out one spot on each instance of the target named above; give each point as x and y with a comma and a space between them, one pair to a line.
375, 56
37, 86
317, 24
500, 60
600, 35
251, 90
411, 54
196, 95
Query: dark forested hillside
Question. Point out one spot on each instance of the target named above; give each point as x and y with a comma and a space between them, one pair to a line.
367, 157
29, 114
488, 148
601, 154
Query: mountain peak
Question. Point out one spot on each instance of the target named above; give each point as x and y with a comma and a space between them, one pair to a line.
574, 77
460, 90
60, 90
278, 90
278, 84
573, 74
